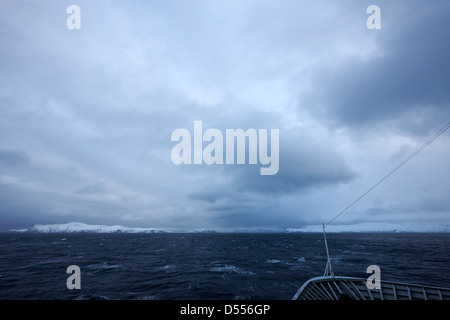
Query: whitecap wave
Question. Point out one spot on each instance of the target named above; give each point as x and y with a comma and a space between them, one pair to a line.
103, 266
231, 269
273, 261
168, 267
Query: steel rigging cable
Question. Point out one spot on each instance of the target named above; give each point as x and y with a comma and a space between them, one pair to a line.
437, 134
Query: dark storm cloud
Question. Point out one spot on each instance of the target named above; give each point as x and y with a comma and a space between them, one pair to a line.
302, 168
405, 85
247, 198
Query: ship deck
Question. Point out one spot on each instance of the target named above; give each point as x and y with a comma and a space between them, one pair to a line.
349, 288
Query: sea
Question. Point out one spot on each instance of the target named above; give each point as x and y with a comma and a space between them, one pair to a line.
208, 266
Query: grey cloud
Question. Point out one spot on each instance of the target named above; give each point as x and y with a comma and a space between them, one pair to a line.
96, 189
13, 158
205, 196
303, 167
406, 85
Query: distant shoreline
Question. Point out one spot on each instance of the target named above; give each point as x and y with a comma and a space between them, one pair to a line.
79, 227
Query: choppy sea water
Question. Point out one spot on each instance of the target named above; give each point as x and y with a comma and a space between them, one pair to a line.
208, 266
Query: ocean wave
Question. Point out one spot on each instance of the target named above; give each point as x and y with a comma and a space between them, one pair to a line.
231, 269
168, 267
87, 297
273, 261
276, 261
43, 263
154, 297
103, 266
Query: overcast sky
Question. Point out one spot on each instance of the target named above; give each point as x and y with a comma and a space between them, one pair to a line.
86, 115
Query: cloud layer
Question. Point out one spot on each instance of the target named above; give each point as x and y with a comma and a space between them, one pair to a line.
86, 115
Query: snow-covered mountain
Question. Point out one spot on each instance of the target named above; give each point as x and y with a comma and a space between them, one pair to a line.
72, 227
203, 231
376, 227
